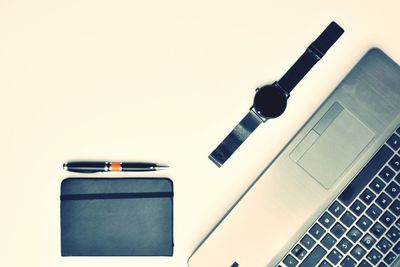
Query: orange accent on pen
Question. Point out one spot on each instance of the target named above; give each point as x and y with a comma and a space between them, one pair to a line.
115, 167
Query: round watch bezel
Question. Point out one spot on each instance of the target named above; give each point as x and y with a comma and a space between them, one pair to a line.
270, 101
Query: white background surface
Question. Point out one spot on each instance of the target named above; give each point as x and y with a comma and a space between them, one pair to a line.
161, 81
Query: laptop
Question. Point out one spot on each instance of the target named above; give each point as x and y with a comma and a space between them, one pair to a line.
332, 195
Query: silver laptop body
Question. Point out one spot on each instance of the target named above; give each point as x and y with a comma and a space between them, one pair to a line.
309, 174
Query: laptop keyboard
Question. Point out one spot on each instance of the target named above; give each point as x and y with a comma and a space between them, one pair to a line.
361, 227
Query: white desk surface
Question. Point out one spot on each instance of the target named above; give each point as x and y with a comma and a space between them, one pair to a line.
161, 81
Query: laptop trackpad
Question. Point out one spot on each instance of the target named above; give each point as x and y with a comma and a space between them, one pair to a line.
337, 139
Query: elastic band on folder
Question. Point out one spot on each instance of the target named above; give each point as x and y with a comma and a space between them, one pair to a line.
117, 195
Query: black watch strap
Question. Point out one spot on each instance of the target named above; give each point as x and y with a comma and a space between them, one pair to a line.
310, 57
235, 138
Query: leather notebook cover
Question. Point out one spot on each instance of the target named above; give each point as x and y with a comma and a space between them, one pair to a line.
117, 217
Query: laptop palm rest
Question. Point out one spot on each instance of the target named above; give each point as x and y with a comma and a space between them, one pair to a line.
332, 145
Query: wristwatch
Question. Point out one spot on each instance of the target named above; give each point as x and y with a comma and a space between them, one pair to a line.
270, 100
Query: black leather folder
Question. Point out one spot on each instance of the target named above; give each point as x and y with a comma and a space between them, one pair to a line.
117, 217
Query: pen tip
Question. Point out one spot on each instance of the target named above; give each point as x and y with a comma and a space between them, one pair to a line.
161, 167
65, 166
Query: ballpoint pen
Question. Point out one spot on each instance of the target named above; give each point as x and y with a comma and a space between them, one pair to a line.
105, 166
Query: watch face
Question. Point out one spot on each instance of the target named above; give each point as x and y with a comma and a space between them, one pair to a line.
270, 101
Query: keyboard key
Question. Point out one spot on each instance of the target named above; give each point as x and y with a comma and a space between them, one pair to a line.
397, 178
314, 257
384, 245
382, 265
394, 142
358, 252
326, 220
364, 223
354, 234
317, 231
374, 256
373, 212
338, 230
290, 261
389, 259
395, 208
395, 163
344, 245
393, 189
398, 223
367, 196
386, 174
393, 234
348, 218
378, 230
296, 249
357, 208
307, 241
366, 175
348, 262
383, 201
387, 219
396, 248
334, 257
336, 209
299, 252
377, 185
364, 263
324, 263
368, 241
328, 241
